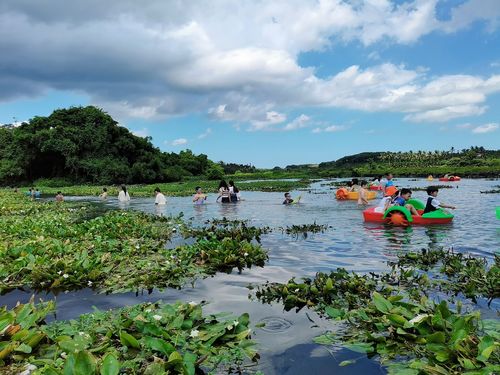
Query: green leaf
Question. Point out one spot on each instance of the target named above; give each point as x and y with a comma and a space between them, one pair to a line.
360, 347
348, 362
442, 356
381, 303
110, 365
128, 340
436, 338
23, 348
159, 345
324, 340
334, 313
81, 363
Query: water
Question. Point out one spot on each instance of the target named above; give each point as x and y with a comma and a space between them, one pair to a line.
285, 344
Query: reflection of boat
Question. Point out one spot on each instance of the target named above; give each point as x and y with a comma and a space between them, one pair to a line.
451, 178
397, 215
344, 194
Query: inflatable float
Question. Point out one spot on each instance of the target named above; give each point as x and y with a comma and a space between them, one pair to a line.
344, 194
401, 216
451, 178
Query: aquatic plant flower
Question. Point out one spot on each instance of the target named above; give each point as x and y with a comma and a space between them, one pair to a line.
63, 355
192, 304
246, 254
65, 275
194, 333
148, 310
157, 317
89, 283
29, 369
59, 272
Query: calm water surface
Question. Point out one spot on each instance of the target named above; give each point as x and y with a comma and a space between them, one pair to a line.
285, 343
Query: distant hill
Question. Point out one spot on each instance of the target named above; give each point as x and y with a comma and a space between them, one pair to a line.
475, 161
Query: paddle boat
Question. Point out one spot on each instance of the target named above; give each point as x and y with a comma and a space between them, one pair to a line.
450, 178
401, 216
376, 187
344, 194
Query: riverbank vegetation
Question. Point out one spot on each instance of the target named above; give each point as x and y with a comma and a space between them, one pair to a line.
393, 316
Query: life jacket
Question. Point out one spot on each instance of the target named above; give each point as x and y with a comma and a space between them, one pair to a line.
429, 207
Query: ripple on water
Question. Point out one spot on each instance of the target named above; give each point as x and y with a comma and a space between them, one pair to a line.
275, 324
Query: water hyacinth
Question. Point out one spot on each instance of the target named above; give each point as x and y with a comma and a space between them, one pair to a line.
146, 338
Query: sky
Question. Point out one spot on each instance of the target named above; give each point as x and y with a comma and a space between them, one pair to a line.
267, 83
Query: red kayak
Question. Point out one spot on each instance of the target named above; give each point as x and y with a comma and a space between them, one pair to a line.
401, 216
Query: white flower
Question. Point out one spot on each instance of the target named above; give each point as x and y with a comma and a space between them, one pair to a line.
89, 283
192, 304
29, 369
296, 290
59, 272
65, 275
246, 254
63, 355
174, 229
81, 333
235, 323
148, 310
194, 333
137, 246
157, 317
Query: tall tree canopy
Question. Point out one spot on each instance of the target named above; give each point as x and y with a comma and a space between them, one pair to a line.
84, 144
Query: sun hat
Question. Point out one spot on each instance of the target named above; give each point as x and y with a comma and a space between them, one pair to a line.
390, 190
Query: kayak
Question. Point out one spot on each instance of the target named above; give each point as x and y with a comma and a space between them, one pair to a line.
451, 178
401, 216
344, 194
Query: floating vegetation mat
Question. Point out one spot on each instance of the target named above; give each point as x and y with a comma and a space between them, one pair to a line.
48, 246
149, 338
391, 316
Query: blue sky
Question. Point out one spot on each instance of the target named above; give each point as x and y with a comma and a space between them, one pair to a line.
263, 83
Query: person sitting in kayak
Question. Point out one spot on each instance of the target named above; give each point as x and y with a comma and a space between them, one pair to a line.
390, 194
432, 203
400, 200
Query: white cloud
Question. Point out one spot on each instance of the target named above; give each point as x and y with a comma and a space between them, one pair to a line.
330, 129
179, 142
181, 58
298, 123
464, 126
144, 132
205, 134
486, 128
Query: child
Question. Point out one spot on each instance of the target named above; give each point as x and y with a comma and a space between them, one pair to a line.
432, 203
224, 195
234, 192
123, 195
354, 185
404, 195
59, 197
390, 194
199, 197
362, 193
160, 198
104, 194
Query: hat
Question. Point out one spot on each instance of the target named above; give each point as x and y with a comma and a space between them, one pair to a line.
390, 190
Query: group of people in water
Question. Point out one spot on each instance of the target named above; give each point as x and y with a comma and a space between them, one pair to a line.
392, 196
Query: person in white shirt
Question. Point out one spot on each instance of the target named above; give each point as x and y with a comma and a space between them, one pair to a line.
123, 195
160, 198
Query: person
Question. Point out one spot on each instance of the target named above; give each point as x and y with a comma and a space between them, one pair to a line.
38, 193
59, 197
234, 192
104, 194
160, 198
363, 193
354, 185
390, 194
199, 197
224, 194
288, 199
376, 181
400, 200
387, 181
123, 195
447, 176
432, 203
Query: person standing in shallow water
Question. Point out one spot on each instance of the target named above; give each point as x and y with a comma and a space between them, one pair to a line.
160, 198
59, 197
224, 194
123, 195
104, 194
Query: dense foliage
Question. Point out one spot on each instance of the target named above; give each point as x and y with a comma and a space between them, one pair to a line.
84, 144
154, 338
